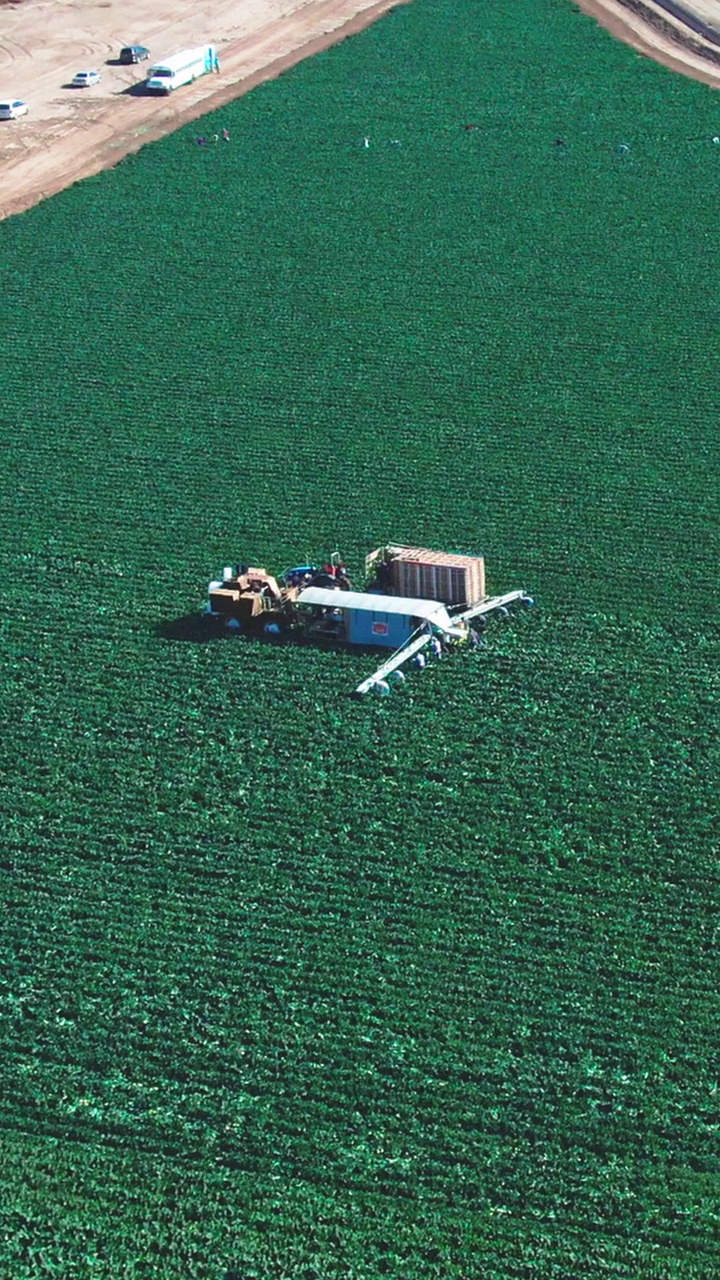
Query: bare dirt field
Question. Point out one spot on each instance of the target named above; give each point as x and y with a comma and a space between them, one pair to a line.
72, 133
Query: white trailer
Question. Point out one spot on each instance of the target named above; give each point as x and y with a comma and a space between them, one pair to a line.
182, 68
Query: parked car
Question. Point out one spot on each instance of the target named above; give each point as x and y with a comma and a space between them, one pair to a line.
133, 53
11, 108
84, 79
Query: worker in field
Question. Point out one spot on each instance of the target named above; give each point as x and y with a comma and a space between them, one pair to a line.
226, 135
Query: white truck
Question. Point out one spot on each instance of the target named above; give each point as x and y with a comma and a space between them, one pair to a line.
182, 68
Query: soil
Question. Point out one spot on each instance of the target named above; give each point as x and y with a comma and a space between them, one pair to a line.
71, 133
655, 29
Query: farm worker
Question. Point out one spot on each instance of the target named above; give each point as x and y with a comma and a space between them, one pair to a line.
436, 646
216, 66
366, 142
226, 135
419, 660
559, 142
216, 137
200, 142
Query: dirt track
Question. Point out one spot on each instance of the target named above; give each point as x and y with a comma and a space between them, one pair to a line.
70, 134
653, 30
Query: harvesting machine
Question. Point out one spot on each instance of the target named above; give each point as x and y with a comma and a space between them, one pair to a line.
415, 600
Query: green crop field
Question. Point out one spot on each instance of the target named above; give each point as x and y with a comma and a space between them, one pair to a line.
296, 987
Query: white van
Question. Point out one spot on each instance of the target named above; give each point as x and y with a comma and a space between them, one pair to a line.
183, 68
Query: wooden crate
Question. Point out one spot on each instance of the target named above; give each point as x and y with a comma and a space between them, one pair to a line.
435, 575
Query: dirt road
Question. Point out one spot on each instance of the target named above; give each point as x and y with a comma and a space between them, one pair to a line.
654, 28
71, 133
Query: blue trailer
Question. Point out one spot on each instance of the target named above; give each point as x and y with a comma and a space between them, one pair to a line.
363, 618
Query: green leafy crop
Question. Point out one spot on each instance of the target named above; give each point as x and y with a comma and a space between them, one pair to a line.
293, 986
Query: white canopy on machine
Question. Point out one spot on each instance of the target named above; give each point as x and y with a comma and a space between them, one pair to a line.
431, 610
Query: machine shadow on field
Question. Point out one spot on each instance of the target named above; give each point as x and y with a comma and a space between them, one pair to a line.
193, 628
198, 628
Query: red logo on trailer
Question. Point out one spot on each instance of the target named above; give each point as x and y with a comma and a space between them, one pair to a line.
379, 628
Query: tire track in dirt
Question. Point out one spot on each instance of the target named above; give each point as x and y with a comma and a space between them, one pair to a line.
8, 56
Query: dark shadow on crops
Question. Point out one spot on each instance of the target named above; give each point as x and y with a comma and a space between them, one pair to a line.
195, 628
198, 628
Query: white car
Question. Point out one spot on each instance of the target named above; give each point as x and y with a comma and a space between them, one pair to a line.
84, 79
11, 108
